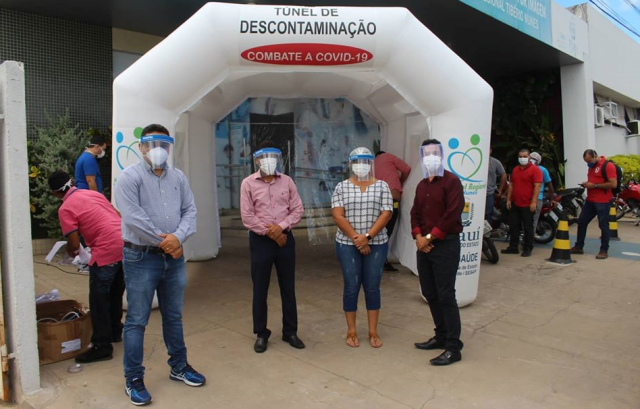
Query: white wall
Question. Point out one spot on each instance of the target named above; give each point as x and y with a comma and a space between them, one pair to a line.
18, 287
611, 63
611, 140
615, 56
577, 118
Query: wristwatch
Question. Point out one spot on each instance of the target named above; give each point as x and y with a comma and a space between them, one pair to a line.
428, 236
595, 185
368, 236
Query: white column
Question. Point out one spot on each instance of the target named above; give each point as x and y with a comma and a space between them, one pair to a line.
18, 289
577, 119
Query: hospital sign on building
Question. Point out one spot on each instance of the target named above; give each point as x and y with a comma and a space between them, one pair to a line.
532, 17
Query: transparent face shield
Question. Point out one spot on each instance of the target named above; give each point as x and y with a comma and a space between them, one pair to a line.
432, 160
268, 160
361, 165
157, 150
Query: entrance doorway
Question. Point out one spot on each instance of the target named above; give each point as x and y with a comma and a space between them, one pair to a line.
279, 130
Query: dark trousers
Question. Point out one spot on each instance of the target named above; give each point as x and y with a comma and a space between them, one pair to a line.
437, 271
521, 216
264, 254
106, 286
589, 211
394, 217
488, 210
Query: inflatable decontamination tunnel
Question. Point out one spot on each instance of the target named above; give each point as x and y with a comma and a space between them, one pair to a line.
382, 59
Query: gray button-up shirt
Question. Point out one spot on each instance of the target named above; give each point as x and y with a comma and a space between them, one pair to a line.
151, 205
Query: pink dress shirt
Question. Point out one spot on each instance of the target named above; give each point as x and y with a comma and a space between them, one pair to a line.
387, 166
92, 216
263, 204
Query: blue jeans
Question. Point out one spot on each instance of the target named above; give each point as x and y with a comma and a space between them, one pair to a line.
144, 274
361, 271
589, 211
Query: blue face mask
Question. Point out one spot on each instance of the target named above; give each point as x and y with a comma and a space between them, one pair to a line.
591, 164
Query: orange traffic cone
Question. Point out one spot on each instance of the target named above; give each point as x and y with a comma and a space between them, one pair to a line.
561, 253
613, 223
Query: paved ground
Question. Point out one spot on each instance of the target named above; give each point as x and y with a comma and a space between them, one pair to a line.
538, 336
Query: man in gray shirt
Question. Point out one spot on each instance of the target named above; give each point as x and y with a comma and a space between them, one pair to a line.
496, 170
158, 216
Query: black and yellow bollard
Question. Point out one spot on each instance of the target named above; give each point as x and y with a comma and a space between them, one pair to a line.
613, 223
561, 253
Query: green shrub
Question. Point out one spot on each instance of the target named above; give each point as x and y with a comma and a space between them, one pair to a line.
630, 165
56, 147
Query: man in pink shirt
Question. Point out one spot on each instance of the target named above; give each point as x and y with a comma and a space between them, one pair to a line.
393, 170
89, 213
270, 206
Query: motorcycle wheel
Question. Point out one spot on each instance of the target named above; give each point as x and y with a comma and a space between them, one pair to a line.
545, 232
620, 212
490, 251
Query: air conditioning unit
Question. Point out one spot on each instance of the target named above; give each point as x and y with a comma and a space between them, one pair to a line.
633, 128
610, 110
599, 117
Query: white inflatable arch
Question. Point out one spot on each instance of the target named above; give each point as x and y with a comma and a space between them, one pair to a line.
382, 59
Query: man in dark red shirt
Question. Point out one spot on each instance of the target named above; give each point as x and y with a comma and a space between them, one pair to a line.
436, 224
522, 200
599, 195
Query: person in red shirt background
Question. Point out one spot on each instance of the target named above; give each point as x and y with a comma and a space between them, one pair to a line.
599, 195
522, 200
393, 170
436, 224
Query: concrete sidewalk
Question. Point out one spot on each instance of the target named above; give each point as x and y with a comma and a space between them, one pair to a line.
538, 336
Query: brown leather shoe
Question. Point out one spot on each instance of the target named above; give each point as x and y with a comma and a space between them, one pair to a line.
577, 250
602, 255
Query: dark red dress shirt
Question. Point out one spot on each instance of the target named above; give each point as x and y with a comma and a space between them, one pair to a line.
437, 207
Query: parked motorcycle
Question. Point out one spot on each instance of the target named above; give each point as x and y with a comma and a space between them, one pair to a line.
628, 201
547, 222
572, 200
488, 247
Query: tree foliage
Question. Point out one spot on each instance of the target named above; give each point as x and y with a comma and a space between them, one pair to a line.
56, 147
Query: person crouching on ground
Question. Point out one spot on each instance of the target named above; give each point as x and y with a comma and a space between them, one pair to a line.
88, 213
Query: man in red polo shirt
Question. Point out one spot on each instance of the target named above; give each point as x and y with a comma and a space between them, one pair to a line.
88, 213
522, 200
599, 195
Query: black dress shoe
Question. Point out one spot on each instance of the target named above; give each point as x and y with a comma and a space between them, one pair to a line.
526, 253
96, 354
430, 344
261, 345
294, 341
446, 358
509, 250
389, 267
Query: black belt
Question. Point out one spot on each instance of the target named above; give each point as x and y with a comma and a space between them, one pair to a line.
144, 249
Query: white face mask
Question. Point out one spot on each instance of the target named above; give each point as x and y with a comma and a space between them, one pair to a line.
158, 156
523, 161
268, 166
361, 169
101, 155
432, 164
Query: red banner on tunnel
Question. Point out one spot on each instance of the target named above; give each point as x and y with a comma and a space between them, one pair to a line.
307, 54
